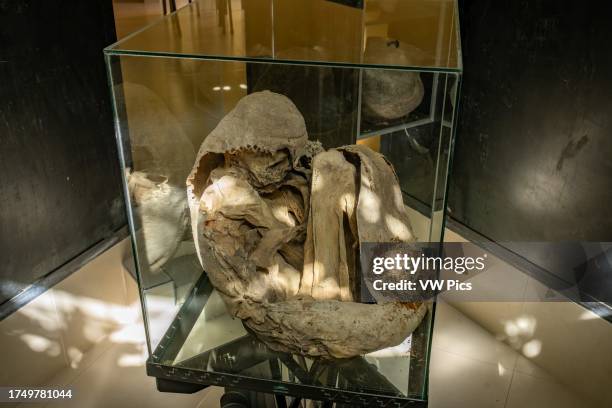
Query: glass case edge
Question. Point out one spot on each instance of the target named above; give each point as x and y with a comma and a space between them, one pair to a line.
126, 194
262, 60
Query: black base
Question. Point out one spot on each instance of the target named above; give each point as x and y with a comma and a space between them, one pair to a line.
178, 387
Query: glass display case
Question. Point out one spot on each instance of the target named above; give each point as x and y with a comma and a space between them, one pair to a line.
280, 96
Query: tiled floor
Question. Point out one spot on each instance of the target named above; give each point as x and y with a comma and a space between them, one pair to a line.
469, 368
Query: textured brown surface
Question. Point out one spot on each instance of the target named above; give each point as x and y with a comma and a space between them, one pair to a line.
277, 224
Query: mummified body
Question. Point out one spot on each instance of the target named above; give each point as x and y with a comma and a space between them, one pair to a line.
277, 223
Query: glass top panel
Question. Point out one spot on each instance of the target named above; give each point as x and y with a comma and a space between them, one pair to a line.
413, 33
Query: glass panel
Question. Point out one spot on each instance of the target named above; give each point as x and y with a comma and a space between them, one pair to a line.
209, 340
165, 107
317, 30
449, 97
418, 144
324, 31
208, 28
429, 28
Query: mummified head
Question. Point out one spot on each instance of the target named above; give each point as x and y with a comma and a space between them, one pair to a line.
264, 134
262, 168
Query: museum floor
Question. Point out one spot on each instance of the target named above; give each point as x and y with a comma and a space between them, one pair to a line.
87, 333
469, 368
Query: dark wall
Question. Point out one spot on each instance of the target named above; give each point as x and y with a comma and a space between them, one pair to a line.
60, 189
533, 158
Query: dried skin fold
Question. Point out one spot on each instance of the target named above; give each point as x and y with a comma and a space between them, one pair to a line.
278, 224
331, 328
330, 250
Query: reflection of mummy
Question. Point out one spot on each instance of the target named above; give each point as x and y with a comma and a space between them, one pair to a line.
160, 150
161, 210
390, 94
278, 222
